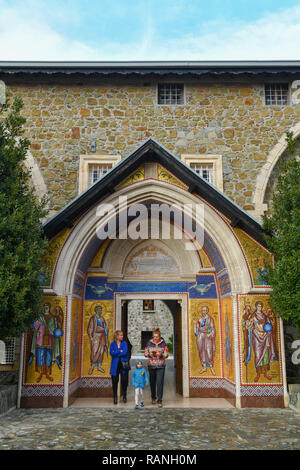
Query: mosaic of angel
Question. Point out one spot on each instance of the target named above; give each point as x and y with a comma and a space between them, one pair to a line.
44, 345
205, 332
259, 330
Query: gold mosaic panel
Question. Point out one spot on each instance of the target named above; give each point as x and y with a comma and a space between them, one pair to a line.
165, 175
227, 336
256, 255
259, 340
76, 334
137, 175
45, 344
197, 369
101, 355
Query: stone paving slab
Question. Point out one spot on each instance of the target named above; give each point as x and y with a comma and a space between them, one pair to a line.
149, 429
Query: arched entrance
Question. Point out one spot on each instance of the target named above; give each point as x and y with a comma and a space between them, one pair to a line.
116, 268
216, 282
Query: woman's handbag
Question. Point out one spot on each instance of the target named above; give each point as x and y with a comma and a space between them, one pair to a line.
125, 365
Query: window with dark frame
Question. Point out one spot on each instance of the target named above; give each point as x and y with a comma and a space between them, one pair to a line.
148, 305
276, 93
170, 93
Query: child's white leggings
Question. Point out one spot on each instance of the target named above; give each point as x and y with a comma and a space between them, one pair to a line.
139, 392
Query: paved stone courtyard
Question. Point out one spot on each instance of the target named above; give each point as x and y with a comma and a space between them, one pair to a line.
150, 429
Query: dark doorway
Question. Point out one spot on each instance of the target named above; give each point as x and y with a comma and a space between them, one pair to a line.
145, 337
175, 365
124, 318
178, 350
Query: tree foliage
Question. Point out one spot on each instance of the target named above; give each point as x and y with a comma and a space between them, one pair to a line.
282, 228
22, 244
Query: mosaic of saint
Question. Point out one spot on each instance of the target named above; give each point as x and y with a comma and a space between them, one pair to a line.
97, 331
205, 333
260, 339
44, 349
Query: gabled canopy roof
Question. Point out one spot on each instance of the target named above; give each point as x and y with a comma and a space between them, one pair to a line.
153, 151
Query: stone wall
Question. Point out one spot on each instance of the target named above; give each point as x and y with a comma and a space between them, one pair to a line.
139, 321
230, 119
9, 377
294, 394
8, 390
8, 397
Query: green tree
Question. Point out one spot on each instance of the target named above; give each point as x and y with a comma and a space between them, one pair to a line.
170, 344
22, 243
282, 234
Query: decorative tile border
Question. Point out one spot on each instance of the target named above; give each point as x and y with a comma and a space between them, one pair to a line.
95, 382
58, 390
206, 383
43, 391
261, 391
213, 383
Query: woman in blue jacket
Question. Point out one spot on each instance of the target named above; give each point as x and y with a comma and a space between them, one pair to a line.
118, 352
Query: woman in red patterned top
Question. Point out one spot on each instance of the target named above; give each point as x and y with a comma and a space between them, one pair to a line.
157, 352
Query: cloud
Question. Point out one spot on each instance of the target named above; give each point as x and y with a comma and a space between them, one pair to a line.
26, 33
273, 37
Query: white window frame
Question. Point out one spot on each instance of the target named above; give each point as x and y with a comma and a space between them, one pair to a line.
8, 355
2, 352
287, 95
207, 159
86, 161
170, 83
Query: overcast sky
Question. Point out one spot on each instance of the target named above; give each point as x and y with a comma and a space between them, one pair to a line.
149, 30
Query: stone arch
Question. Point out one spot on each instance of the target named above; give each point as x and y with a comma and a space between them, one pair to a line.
119, 253
82, 235
263, 177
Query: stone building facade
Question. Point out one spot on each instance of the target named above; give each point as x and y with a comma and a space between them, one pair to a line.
141, 321
231, 119
222, 114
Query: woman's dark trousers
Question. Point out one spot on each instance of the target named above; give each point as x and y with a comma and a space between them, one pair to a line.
157, 383
124, 381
